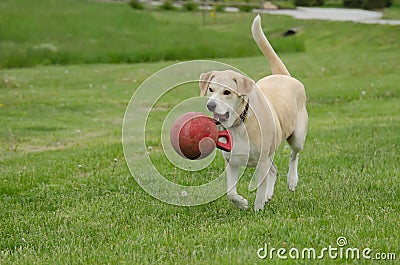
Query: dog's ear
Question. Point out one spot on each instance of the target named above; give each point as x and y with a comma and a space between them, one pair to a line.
205, 79
244, 85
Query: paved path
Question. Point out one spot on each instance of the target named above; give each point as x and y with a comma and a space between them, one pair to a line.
336, 14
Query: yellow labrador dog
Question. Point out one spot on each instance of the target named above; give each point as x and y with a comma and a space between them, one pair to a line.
260, 116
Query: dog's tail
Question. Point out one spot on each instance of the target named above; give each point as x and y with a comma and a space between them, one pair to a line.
277, 66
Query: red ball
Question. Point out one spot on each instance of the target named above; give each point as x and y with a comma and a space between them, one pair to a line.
194, 135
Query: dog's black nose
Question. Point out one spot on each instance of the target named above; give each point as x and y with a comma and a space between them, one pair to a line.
211, 106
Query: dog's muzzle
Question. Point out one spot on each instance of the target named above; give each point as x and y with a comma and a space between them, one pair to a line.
211, 106
221, 118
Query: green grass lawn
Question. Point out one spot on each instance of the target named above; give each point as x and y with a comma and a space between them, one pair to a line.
73, 32
67, 196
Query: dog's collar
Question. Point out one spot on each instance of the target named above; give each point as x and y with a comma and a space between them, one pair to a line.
242, 117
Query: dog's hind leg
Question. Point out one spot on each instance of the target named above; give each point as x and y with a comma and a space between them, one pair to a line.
292, 177
271, 178
296, 141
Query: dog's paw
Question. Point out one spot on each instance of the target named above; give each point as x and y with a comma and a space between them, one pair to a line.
259, 206
239, 202
292, 183
268, 196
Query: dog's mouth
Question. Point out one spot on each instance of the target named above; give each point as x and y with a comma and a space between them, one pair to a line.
221, 117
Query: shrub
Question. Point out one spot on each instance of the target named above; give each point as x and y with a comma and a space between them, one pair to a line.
309, 2
136, 4
247, 7
376, 4
283, 4
367, 4
190, 6
167, 5
219, 8
353, 3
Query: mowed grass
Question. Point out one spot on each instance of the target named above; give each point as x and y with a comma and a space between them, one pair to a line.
73, 31
67, 196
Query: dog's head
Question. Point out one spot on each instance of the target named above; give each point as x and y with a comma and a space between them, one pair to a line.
225, 91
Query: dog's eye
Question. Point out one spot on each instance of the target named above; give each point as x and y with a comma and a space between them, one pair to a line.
210, 89
227, 92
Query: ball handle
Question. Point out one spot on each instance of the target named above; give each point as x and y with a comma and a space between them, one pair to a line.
227, 147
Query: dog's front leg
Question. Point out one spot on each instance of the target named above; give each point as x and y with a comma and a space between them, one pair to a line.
266, 176
232, 174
